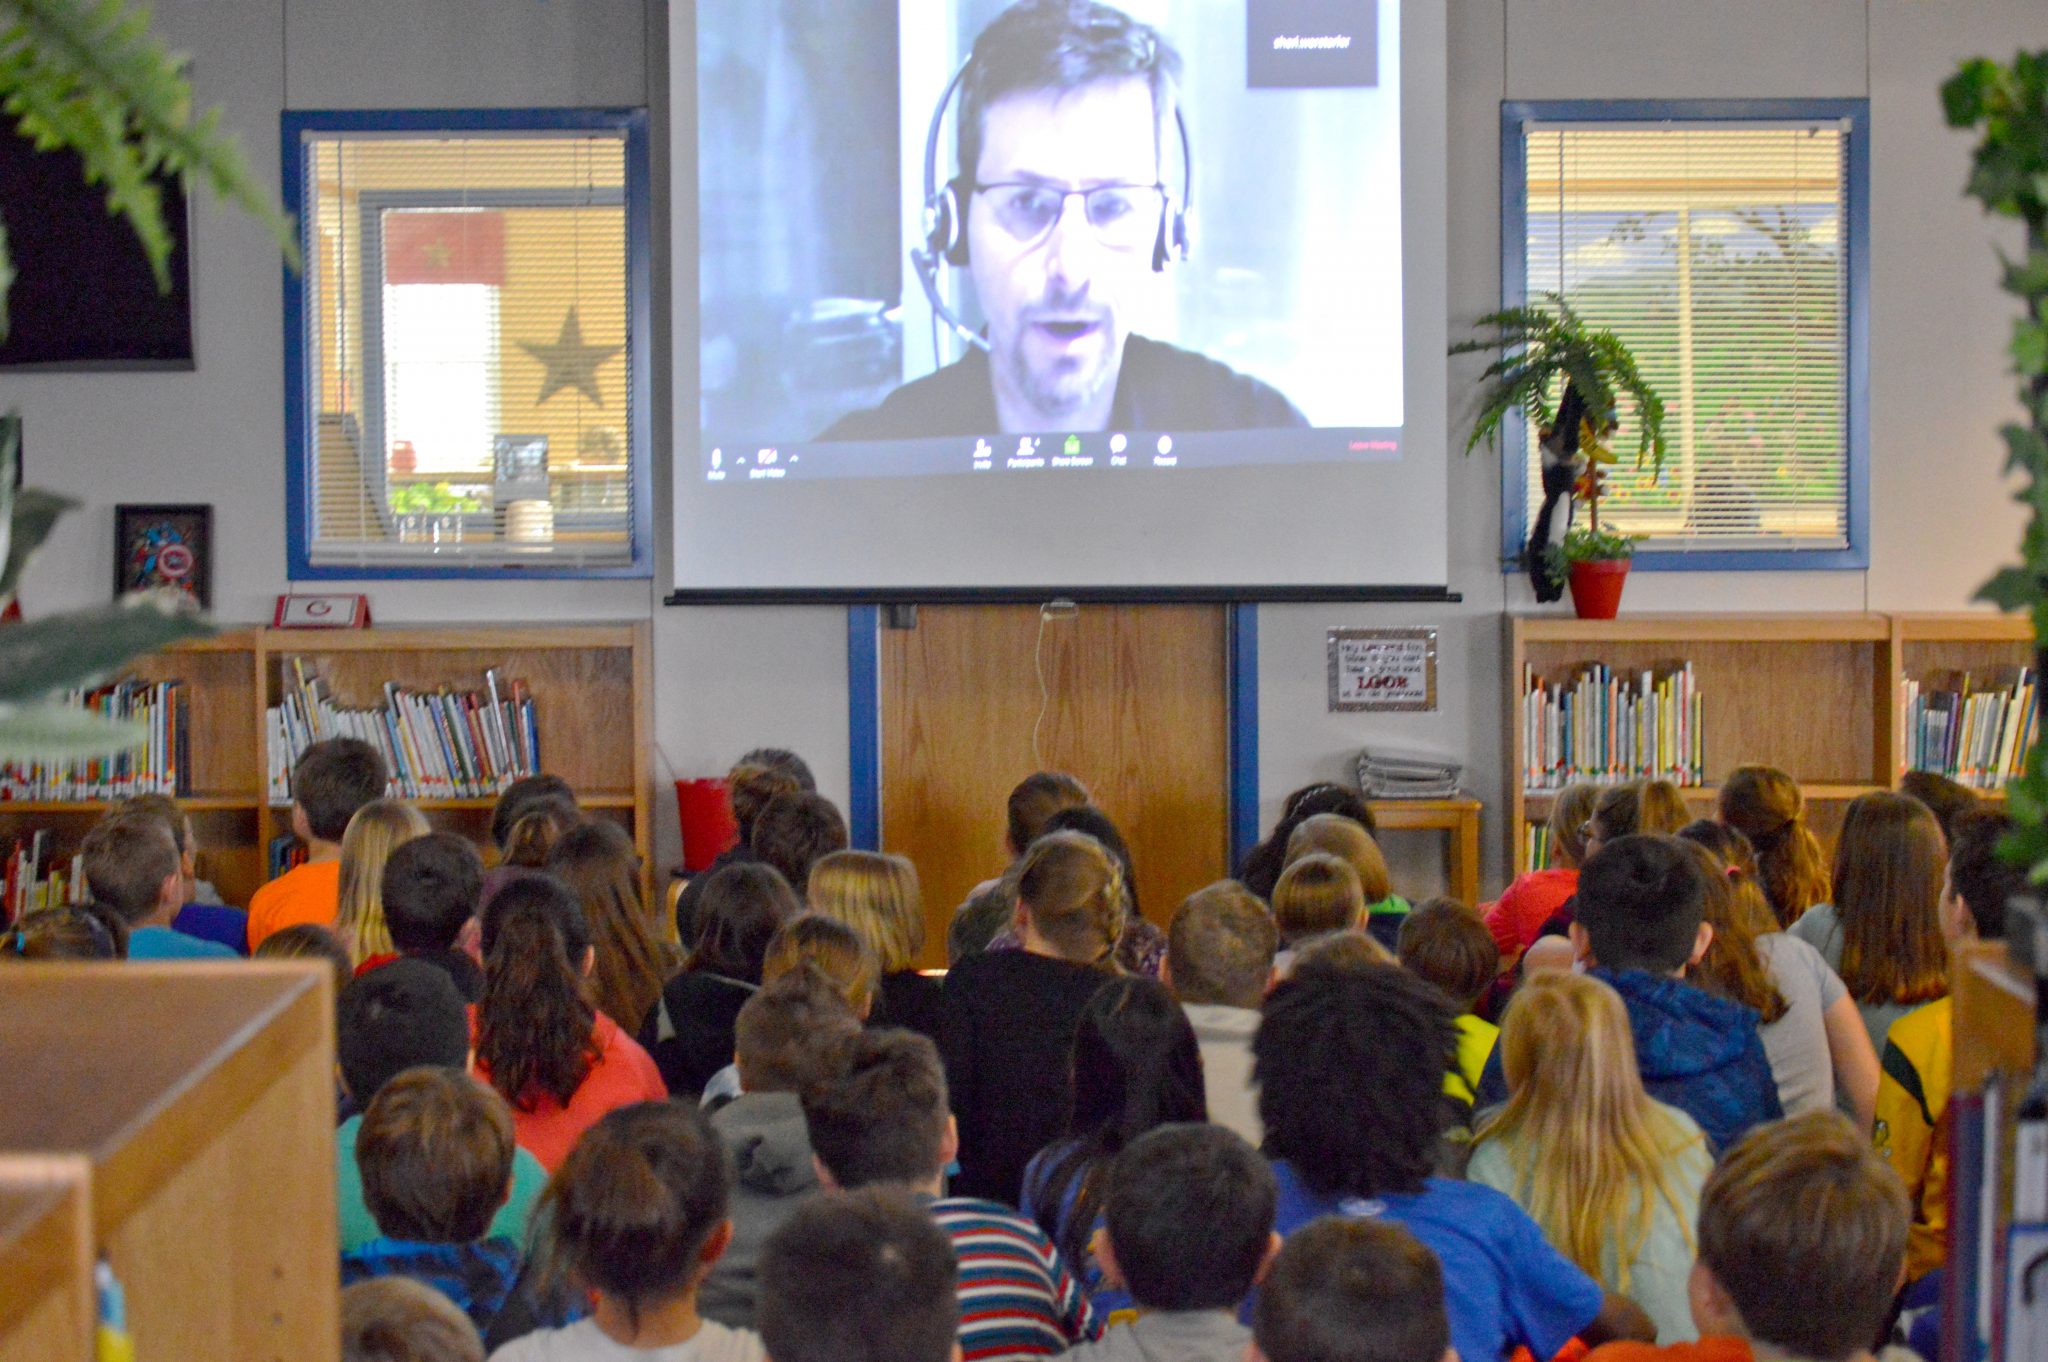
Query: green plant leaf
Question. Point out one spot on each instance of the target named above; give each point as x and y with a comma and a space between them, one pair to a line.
2029, 347
2010, 588
35, 513
59, 652
1963, 94
56, 732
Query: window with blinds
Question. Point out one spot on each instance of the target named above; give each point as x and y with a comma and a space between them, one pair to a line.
468, 393
1721, 249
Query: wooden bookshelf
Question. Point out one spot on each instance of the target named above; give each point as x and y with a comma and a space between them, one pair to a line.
591, 689
1814, 695
209, 1153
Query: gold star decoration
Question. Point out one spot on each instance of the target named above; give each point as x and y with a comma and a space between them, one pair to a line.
569, 362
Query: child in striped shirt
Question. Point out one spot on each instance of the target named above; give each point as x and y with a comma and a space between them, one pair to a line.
883, 1118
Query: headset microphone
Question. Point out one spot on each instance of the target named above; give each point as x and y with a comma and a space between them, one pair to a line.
945, 216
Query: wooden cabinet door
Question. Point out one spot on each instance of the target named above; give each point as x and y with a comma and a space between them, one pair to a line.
1134, 700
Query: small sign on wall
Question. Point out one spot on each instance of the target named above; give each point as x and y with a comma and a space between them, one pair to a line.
1383, 669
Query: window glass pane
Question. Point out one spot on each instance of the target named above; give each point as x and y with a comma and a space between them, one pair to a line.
1717, 252
468, 342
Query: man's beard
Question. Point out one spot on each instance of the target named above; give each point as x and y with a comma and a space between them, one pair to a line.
1065, 387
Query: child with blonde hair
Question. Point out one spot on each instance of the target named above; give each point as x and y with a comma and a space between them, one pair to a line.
1318, 896
877, 895
376, 830
1612, 1176
1348, 840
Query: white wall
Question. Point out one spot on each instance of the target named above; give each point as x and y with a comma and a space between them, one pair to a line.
727, 679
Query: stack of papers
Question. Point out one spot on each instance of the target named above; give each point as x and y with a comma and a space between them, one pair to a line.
1385, 774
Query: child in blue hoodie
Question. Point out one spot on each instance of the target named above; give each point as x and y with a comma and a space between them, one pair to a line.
1640, 925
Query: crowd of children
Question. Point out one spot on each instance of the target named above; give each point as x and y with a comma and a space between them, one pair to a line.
1635, 1104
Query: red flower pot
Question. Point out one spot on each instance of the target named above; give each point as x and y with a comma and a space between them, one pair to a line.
1596, 587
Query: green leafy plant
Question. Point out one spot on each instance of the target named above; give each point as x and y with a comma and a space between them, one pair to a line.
432, 498
1585, 545
1544, 346
85, 75
2008, 105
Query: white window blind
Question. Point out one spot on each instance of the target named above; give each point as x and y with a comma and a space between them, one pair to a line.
1717, 251
469, 365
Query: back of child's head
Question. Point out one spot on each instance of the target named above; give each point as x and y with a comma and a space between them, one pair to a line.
435, 1150
533, 1023
1641, 902
984, 915
1099, 825
1889, 864
598, 863
309, 941
1984, 880
1569, 813
1035, 799
1220, 947
334, 778
377, 829
879, 1114
1734, 907
783, 760
430, 889
794, 831
1350, 1065
789, 1034
1342, 952
877, 895
1346, 839
742, 908
1804, 1225
1447, 943
161, 807
397, 1017
635, 1204
1136, 1062
867, 1276
399, 1319
512, 801
65, 933
1073, 889
538, 824
750, 788
127, 861
1765, 805
1317, 893
830, 948
1190, 1217
1949, 799
1351, 1290
1325, 797
1639, 807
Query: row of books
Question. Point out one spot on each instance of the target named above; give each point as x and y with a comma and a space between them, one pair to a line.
161, 766
438, 744
1977, 735
1536, 845
36, 878
1607, 726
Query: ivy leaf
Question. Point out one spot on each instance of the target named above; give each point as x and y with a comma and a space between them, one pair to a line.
2026, 449
2029, 348
1963, 94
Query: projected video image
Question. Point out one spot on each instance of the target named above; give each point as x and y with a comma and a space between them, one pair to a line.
972, 236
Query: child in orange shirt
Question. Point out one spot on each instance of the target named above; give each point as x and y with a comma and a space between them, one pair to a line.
331, 781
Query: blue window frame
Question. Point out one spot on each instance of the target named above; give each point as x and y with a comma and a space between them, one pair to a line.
1758, 213
467, 383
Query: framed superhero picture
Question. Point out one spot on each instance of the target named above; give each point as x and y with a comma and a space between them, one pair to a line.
164, 546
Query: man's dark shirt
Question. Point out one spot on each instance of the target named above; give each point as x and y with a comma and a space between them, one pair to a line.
1159, 387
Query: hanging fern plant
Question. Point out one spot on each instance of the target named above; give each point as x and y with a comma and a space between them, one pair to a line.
2009, 176
86, 76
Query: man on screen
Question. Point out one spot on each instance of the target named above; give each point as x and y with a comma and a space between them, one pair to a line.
1066, 114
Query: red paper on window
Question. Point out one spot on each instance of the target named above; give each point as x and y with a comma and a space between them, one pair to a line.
444, 248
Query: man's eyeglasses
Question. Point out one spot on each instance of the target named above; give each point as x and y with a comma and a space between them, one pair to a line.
1123, 216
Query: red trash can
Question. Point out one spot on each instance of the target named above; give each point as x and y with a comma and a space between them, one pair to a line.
704, 807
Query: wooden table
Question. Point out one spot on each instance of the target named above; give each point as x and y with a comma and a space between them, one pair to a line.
1457, 817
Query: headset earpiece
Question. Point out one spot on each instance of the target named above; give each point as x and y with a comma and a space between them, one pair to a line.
945, 236
956, 194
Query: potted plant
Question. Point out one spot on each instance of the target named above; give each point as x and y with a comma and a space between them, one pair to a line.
1542, 344
2009, 176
